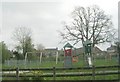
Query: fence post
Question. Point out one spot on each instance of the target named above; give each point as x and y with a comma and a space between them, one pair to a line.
93, 72
17, 73
54, 73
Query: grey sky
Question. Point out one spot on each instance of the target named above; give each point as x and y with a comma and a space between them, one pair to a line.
45, 17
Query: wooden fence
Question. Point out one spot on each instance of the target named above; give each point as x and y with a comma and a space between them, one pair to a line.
54, 73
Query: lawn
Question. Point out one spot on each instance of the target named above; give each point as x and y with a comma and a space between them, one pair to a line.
80, 63
52, 63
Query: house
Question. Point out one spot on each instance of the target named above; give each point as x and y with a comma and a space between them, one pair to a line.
80, 51
50, 51
77, 51
95, 50
112, 50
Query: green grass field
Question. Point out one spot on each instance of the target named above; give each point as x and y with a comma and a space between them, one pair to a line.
50, 63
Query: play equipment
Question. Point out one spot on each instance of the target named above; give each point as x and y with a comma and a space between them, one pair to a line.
89, 61
68, 55
28, 53
75, 59
40, 57
87, 48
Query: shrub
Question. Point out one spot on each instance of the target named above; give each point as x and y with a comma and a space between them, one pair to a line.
36, 74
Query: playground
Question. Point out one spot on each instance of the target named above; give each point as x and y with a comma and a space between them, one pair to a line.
69, 59
50, 63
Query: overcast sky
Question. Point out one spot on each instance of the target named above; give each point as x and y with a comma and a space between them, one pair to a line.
45, 17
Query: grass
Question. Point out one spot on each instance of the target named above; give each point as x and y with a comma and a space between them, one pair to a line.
38, 73
80, 63
107, 77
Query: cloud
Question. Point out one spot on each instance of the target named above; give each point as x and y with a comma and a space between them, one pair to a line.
42, 18
45, 17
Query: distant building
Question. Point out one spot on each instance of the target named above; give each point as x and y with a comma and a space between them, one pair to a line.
78, 51
50, 51
112, 50
95, 50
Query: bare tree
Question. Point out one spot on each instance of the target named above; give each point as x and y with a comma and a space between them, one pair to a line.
90, 23
23, 36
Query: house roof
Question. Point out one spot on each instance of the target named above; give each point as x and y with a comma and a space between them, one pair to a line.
81, 50
51, 49
96, 49
112, 47
68, 45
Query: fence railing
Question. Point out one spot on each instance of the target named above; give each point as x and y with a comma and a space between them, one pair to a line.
54, 73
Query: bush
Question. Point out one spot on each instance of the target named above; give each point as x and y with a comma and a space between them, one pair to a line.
36, 75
